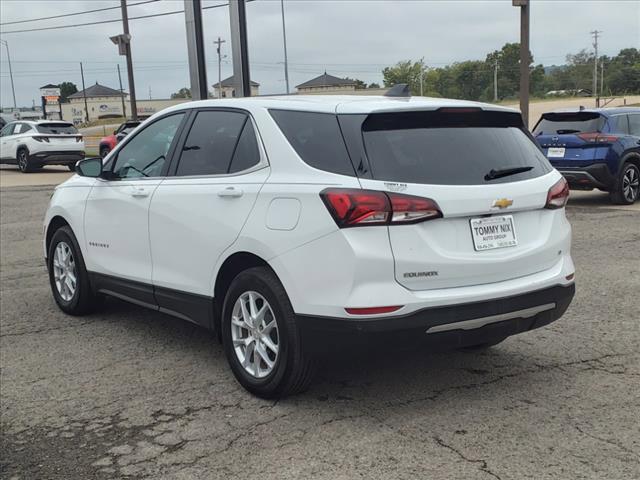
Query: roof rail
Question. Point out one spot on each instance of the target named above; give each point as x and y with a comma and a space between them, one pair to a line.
399, 90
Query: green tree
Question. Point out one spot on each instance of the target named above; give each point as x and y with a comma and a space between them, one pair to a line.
184, 92
360, 85
508, 58
66, 89
405, 72
374, 85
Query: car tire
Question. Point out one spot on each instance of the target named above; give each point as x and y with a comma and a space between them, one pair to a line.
627, 187
104, 151
25, 163
249, 344
74, 298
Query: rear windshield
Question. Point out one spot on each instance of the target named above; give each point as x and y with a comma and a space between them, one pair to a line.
56, 128
563, 123
450, 148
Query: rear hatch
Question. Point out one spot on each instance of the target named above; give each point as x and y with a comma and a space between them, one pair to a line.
572, 139
60, 134
448, 156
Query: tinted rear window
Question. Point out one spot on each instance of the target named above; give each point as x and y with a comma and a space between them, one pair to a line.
57, 128
449, 149
316, 138
563, 123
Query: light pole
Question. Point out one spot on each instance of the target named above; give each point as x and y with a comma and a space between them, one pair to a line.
13, 89
284, 40
524, 6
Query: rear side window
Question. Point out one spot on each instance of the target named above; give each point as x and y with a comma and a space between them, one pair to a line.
634, 124
619, 124
57, 128
450, 149
564, 123
316, 138
212, 143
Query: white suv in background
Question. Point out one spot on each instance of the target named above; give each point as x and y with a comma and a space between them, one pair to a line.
279, 221
32, 145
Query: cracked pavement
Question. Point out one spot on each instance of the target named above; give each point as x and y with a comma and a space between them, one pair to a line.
130, 393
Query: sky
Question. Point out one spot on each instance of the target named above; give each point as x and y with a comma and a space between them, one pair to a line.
354, 38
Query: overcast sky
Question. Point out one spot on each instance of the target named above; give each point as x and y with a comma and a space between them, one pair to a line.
347, 38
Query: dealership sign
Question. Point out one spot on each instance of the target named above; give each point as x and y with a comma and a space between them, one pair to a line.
50, 92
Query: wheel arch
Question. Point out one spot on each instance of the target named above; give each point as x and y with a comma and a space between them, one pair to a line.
56, 222
632, 157
230, 268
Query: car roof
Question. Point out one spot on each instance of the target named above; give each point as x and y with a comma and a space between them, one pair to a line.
346, 104
602, 111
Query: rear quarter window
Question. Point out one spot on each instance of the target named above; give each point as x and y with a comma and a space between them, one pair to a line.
316, 138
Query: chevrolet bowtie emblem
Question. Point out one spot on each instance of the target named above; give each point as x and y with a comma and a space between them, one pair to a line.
502, 203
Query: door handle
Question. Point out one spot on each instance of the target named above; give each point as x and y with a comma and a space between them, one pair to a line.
139, 192
230, 192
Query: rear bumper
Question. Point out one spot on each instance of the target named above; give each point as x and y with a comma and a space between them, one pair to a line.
593, 176
61, 157
463, 324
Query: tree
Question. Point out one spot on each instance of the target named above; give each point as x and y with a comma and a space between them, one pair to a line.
508, 58
66, 89
360, 85
184, 92
405, 72
374, 85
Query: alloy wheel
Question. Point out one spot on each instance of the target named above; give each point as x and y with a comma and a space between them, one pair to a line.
254, 332
631, 184
64, 271
22, 160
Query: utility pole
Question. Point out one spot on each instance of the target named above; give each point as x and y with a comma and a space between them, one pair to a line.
195, 49
124, 107
524, 58
495, 81
602, 79
595, 35
421, 75
219, 43
84, 94
127, 46
284, 40
13, 89
239, 47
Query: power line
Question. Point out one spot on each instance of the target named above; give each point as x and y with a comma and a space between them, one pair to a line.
75, 13
111, 21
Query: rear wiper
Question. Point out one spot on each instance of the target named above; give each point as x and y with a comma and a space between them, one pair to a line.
505, 172
563, 132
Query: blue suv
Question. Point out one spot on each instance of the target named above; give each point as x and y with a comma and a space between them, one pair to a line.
595, 148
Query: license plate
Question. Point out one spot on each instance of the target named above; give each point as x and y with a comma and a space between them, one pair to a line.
493, 232
555, 152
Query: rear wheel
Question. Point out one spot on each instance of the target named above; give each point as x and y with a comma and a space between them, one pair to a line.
627, 188
68, 275
24, 161
261, 338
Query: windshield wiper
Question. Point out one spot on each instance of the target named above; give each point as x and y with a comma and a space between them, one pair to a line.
505, 172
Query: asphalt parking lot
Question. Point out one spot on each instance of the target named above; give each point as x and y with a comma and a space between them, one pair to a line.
129, 393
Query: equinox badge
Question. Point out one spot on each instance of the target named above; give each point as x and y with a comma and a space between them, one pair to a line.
502, 203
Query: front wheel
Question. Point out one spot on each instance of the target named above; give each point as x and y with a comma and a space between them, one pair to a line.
68, 275
627, 187
261, 337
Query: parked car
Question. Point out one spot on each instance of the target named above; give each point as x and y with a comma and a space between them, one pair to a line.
33, 144
595, 148
283, 223
109, 142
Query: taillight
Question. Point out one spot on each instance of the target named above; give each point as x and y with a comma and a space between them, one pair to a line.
41, 139
595, 137
354, 208
558, 195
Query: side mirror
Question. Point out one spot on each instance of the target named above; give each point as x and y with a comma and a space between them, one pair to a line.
89, 167
115, 132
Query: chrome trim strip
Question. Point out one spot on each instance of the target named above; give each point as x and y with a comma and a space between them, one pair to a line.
482, 321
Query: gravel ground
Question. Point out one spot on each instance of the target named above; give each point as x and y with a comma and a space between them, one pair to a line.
128, 393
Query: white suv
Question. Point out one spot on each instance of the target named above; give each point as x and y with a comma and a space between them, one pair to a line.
31, 145
278, 221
